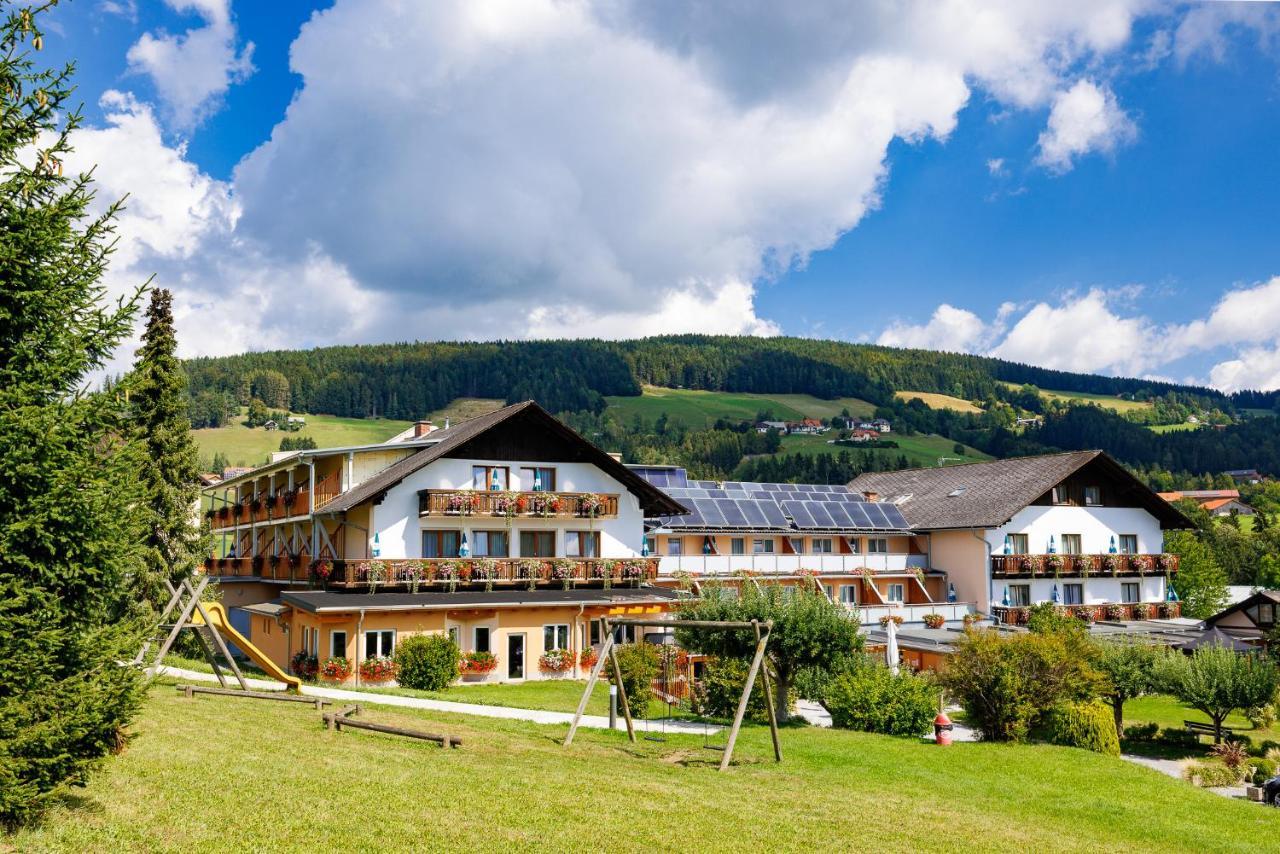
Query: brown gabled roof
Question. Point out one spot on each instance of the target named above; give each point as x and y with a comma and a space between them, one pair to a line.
453, 441
1270, 596
988, 494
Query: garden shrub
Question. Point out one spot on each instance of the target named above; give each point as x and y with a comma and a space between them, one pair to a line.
639, 664
872, 699
1179, 737
1263, 770
1089, 725
1267, 745
1211, 774
1141, 732
427, 662
1262, 717
718, 692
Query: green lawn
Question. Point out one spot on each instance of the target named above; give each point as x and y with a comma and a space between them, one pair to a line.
253, 446
699, 409
1104, 400
1173, 428
920, 449
1168, 712
228, 774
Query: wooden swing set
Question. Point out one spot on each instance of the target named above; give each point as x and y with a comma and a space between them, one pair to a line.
609, 653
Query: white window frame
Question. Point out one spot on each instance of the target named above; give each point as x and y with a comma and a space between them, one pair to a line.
1130, 585
895, 588
557, 631
849, 594
763, 546
381, 635
1013, 595
335, 650
877, 545
821, 545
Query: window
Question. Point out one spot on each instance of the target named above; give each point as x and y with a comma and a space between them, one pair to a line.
820, 545
1266, 614
1073, 594
1020, 595
1092, 496
538, 479
537, 543
482, 477
1060, 494
555, 636
1129, 592
582, 543
651, 545
737, 546
877, 546
440, 543
762, 547
379, 643
491, 544
674, 546
480, 639
831, 591
338, 644
849, 594
596, 634
1128, 544
1071, 544
455, 635
896, 593
266, 625
1018, 544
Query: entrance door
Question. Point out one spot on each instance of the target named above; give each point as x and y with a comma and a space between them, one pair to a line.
515, 656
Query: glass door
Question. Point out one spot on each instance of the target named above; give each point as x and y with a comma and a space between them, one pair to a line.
515, 656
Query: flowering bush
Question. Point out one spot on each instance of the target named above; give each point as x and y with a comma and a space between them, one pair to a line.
544, 504
555, 661
478, 663
1142, 611
462, 503
934, 621
1114, 611
380, 669
336, 669
588, 658
884, 621
304, 665
322, 569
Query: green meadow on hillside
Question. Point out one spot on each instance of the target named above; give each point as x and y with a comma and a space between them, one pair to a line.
253, 446
1106, 401
939, 401
239, 775
700, 409
921, 450
1172, 428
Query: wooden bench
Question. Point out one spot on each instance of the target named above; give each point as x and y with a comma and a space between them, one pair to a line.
1198, 728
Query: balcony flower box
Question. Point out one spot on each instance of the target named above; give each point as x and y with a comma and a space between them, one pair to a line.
543, 504
508, 504
1165, 563
256, 563
588, 658
462, 504
633, 571
255, 503
378, 670
336, 669
1029, 563
934, 621
1084, 564
1114, 563
1086, 614
322, 570
1114, 612
1143, 611
1170, 610
1054, 564
562, 570
1140, 564
237, 510
556, 661
884, 621
590, 505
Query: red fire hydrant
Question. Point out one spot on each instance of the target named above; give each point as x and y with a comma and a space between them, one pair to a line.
942, 729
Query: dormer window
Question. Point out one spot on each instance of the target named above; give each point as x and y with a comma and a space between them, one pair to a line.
1092, 496
1060, 494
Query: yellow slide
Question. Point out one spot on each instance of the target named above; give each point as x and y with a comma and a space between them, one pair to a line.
222, 625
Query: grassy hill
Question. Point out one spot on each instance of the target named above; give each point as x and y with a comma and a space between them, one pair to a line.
700, 409
921, 450
253, 446
939, 401
1106, 401
464, 408
230, 774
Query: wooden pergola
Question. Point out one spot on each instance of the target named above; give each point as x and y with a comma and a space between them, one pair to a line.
609, 652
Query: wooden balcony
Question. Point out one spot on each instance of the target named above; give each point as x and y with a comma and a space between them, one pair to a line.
534, 572
1108, 612
549, 505
1082, 566
272, 507
281, 568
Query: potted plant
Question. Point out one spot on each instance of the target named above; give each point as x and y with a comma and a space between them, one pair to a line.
1165, 562
1141, 563
1084, 565
377, 670
447, 573
486, 570
477, 664
1142, 611
1022, 616
529, 570
588, 658
1054, 562
462, 503
884, 621
970, 619
1028, 563
336, 669
304, 665
1113, 563
1086, 614
934, 621
633, 571
562, 571
1114, 611
590, 505
555, 661
544, 504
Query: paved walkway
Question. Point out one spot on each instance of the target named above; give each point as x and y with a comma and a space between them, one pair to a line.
537, 716
1173, 768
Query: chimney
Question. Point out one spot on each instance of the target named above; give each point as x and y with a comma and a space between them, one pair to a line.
616, 455
871, 495
422, 428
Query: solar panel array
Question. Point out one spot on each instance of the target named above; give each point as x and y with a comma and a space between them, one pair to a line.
782, 506
662, 477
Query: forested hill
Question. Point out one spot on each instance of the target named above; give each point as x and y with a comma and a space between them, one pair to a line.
407, 380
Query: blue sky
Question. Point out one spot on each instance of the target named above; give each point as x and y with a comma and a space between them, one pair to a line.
1093, 187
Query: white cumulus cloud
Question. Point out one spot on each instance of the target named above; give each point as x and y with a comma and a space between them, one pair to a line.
1084, 118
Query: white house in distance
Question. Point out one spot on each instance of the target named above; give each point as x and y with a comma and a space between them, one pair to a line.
1075, 528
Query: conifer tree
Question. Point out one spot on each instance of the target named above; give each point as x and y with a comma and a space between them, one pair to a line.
169, 465
69, 524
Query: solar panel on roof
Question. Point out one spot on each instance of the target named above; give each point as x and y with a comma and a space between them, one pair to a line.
875, 512
710, 513
753, 513
839, 514
858, 515
773, 514
733, 514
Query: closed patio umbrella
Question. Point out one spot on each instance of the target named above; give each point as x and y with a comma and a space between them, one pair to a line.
1055, 594
891, 646
464, 550
1052, 548
1005, 600
1008, 544
1112, 548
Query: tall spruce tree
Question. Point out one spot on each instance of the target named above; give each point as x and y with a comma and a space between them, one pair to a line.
169, 468
69, 523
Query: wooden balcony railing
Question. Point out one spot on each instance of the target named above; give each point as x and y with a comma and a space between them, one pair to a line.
427, 575
1014, 615
281, 568
270, 507
583, 505
1029, 566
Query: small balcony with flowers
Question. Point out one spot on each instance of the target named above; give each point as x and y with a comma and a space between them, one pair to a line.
511, 504
452, 574
1111, 587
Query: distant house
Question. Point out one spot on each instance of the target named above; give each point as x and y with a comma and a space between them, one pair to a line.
1191, 419
234, 471
861, 435
881, 425
1251, 619
808, 425
766, 426
1033, 421
270, 425
1244, 475
297, 419
1218, 502
208, 478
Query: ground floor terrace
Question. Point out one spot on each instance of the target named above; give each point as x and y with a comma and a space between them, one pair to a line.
529, 634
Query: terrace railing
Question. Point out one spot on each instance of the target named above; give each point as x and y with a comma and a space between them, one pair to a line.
1016, 615
1055, 565
560, 505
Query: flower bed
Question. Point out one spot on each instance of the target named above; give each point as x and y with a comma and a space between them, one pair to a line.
336, 669
1114, 611
588, 658
477, 663
555, 661
380, 669
304, 665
